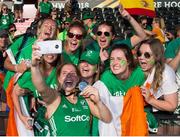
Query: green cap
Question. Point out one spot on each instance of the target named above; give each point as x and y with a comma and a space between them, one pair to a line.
92, 57
68, 20
87, 16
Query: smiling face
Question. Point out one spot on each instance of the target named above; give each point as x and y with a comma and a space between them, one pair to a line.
87, 70
104, 35
118, 62
146, 58
68, 77
74, 39
48, 29
50, 58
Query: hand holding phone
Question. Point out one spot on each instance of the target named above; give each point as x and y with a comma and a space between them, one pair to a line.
50, 47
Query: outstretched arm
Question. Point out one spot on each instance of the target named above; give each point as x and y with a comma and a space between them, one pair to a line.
140, 33
49, 95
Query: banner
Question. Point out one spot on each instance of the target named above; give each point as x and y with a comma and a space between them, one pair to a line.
139, 7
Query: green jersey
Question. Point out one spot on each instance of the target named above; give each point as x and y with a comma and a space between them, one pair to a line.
71, 58
25, 82
171, 51
120, 87
45, 7
15, 50
5, 21
71, 119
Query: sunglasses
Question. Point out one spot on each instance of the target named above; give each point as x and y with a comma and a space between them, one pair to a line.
67, 23
147, 55
5, 9
77, 36
99, 33
12, 30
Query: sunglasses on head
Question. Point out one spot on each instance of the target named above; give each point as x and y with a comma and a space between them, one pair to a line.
99, 33
77, 36
147, 55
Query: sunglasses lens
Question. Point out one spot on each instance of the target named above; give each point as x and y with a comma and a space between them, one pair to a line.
106, 34
147, 55
99, 33
78, 36
12, 30
70, 35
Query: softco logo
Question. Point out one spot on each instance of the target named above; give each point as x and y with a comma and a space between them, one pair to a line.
76, 118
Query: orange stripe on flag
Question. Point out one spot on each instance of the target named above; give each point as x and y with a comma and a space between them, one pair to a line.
139, 7
11, 126
133, 118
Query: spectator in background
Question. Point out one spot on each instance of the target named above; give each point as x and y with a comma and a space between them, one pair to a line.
6, 18
54, 16
157, 29
12, 30
172, 55
44, 9
144, 24
18, 10
89, 25
143, 21
4, 42
65, 26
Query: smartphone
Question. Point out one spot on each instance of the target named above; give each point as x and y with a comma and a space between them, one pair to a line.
50, 47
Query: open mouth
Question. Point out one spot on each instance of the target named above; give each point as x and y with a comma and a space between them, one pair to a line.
68, 83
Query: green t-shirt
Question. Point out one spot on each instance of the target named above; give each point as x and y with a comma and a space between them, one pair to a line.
15, 49
71, 119
45, 7
71, 58
120, 87
172, 49
26, 82
5, 21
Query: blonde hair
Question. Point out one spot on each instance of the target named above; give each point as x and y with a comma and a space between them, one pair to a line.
158, 53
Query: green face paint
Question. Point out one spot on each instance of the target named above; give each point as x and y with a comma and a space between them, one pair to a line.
151, 62
122, 62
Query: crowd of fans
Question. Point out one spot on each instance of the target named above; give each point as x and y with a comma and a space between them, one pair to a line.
143, 64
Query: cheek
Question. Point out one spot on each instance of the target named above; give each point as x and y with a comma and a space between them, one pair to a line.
123, 63
151, 62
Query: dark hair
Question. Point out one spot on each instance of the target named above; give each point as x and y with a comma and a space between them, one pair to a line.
128, 54
141, 18
79, 25
59, 68
108, 23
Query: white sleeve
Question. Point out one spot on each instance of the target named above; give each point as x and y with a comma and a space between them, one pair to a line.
169, 84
